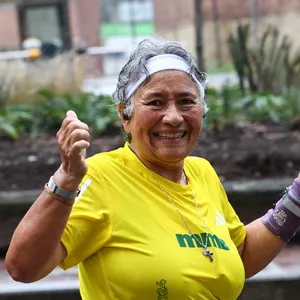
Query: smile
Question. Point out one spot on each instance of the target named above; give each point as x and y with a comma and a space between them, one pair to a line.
169, 136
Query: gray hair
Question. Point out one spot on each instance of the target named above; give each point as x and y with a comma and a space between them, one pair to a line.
136, 65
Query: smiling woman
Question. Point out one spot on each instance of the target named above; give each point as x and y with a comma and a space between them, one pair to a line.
147, 221
166, 121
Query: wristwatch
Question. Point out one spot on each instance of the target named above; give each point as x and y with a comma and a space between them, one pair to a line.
60, 191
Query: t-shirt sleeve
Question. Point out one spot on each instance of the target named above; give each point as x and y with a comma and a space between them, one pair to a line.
236, 228
90, 223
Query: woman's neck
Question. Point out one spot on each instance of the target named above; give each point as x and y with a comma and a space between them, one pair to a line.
175, 174
172, 172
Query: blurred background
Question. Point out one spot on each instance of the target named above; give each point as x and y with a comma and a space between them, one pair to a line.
57, 55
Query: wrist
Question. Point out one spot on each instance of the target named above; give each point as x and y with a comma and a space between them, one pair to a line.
67, 181
64, 196
294, 190
284, 219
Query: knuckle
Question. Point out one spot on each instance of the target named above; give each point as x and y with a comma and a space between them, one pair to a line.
80, 134
76, 124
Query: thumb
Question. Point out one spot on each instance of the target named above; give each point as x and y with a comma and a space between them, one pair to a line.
72, 114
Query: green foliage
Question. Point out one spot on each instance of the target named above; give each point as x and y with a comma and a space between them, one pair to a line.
272, 65
96, 111
15, 120
229, 105
47, 115
263, 108
269, 75
223, 106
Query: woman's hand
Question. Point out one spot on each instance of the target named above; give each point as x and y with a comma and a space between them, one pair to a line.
73, 139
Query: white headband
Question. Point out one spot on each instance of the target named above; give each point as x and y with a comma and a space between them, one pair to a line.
160, 63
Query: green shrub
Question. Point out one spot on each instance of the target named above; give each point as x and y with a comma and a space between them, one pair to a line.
271, 66
46, 116
96, 111
16, 120
223, 106
229, 105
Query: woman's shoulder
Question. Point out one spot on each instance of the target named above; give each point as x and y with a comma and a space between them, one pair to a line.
106, 159
107, 155
196, 162
199, 165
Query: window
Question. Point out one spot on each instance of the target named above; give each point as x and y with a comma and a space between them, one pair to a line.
46, 22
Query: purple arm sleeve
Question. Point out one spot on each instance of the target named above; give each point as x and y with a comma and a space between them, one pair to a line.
284, 219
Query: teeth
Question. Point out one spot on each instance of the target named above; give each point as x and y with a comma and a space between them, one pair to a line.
170, 135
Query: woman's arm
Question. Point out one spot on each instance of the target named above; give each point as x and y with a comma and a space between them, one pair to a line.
35, 249
260, 247
268, 235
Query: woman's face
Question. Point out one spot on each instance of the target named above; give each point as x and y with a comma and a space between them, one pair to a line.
167, 118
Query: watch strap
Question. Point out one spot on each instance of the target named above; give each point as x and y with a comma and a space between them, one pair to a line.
55, 189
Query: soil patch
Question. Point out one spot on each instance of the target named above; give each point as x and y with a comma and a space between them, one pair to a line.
237, 153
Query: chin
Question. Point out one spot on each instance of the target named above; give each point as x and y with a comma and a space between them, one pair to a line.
173, 156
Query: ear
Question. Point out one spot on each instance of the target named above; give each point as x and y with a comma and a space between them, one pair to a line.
125, 121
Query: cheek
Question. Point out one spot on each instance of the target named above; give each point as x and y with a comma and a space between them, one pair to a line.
146, 119
195, 118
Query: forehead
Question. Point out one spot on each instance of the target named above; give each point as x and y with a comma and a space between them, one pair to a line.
169, 81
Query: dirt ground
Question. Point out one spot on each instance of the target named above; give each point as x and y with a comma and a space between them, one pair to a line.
237, 153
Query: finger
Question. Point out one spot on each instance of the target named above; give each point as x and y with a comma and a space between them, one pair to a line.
75, 133
67, 139
75, 152
71, 114
70, 124
75, 163
76, 155
77, 124
79, 147
79, 134
70, 117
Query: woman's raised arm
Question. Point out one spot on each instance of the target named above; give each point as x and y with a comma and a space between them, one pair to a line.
35, 249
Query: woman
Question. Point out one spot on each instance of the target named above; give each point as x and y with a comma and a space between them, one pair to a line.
149, 221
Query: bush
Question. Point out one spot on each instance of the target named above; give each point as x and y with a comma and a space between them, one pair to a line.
229, 105
47, 115
271, 66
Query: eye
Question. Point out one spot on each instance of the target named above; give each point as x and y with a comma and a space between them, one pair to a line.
155, 102
187, 101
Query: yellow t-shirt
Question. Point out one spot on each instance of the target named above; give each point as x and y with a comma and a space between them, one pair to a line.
131, 242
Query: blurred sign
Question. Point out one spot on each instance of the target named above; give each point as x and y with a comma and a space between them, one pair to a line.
140, 29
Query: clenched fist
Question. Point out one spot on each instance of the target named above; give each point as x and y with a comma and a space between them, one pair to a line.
73, 139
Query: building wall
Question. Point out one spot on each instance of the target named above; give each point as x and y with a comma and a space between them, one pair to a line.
228, 9
9, 27
175, 20
84, 22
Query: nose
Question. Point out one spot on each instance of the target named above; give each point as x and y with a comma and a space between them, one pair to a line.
172, 115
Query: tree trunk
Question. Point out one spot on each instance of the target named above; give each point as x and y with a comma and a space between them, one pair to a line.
199, 37
218, 44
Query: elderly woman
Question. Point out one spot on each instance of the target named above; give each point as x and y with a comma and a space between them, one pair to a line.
149, 221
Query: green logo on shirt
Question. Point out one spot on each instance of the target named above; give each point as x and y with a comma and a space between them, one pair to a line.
162, 291
192, 241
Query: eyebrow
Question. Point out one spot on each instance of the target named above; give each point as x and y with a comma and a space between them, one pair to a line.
161, 94
187, 94
152, 94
